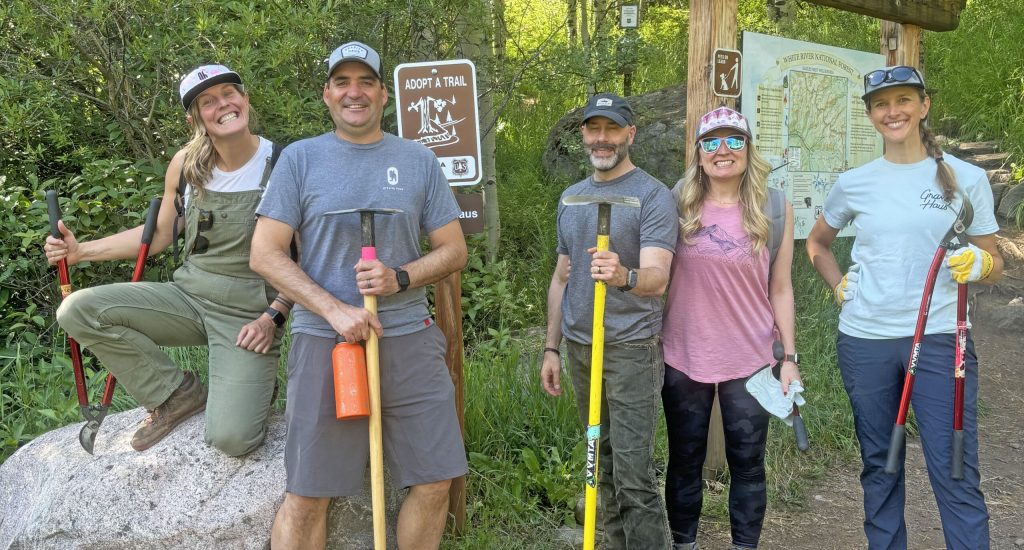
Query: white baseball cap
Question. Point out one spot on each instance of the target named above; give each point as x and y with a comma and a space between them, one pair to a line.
203, 77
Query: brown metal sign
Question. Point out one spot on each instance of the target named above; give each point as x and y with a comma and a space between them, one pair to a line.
472, 216
725, 78
436, 104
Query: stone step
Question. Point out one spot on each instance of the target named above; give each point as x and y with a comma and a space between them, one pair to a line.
998, 176
989, 161
976, 147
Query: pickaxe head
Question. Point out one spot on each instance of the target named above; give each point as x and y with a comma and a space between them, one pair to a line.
604, 207
577, 200
366, 221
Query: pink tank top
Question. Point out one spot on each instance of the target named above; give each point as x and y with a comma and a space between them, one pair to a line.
718, 322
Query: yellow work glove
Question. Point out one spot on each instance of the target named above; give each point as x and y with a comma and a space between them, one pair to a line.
969, 264
846, 288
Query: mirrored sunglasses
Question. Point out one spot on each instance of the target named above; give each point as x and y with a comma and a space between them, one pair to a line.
711, 144
895, 74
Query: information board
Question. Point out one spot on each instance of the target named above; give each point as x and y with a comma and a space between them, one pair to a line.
807, 118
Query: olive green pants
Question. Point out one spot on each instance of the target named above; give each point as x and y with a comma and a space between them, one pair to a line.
124, 324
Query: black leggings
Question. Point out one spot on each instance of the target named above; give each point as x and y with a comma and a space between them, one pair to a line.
687, 413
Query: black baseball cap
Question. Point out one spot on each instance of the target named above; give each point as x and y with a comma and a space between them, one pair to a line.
609, 106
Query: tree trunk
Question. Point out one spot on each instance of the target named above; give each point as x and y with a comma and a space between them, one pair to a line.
571, 14
588, 54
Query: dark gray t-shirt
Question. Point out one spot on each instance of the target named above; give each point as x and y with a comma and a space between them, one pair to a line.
326, 173
627, 316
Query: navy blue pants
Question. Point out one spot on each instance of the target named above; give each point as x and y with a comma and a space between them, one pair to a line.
873, 373
688, 406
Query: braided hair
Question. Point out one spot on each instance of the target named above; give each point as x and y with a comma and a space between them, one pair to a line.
945, 174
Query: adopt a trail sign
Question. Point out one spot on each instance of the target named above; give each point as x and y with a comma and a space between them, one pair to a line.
436, 106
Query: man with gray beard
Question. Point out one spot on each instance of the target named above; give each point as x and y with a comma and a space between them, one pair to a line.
637, 263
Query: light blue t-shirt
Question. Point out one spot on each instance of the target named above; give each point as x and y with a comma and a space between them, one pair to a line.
325, 173
900, 217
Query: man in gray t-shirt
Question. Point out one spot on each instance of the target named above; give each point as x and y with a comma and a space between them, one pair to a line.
359, 166
636, 270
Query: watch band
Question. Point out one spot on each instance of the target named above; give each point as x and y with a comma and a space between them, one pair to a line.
631, 277
793, 357
276, 316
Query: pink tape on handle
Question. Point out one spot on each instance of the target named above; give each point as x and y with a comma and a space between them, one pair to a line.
369, 253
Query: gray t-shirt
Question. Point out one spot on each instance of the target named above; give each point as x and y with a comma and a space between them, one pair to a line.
326, 173
900, 217
627, 317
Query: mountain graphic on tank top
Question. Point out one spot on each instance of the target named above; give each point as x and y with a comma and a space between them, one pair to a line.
714, 241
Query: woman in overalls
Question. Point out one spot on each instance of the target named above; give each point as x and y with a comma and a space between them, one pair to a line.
215, 300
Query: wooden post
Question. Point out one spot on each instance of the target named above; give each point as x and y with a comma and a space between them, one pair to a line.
448, 293
712, 25
901, 44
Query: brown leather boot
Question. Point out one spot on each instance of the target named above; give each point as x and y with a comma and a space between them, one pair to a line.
188, 399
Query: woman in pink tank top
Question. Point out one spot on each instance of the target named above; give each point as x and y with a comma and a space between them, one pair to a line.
727, 302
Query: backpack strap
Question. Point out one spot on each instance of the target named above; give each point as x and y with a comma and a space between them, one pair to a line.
293, 248
179, 208
775, 209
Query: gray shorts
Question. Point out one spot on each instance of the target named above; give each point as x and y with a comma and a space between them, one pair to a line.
327, 457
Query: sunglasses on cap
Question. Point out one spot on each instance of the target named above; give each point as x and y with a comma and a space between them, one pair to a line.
895, 74
711, 144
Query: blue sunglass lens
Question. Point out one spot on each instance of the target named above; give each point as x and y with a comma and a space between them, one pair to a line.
735, 142
710, 145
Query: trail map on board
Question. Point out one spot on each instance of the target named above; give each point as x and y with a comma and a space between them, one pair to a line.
808, 121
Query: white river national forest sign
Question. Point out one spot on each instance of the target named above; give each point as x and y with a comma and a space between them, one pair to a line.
803, 104
436, 106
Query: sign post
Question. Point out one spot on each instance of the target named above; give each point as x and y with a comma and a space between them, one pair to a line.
436, 106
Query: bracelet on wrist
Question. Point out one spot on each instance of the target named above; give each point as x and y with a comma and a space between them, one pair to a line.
555, 350
286, 303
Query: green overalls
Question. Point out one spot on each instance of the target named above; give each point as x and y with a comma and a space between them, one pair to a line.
214, 294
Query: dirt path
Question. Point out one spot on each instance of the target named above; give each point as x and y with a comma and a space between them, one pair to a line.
831, 518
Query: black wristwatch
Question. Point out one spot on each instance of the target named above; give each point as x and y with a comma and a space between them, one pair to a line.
276, 316
631, 277
402, 276
792, 357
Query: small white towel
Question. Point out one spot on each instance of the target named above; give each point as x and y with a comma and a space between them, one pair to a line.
768, 391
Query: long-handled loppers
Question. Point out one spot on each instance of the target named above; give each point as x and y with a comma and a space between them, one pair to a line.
369, 252
955, 238
604, 222
94, 414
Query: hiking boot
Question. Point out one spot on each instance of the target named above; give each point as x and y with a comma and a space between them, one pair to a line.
188, 399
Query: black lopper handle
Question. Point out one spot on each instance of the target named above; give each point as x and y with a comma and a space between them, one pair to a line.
151, 217
800, 430
896, 443
957, 471
53, 208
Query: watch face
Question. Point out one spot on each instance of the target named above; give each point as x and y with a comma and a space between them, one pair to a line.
403, 278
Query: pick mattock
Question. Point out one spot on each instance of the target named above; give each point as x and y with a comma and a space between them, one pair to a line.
604, 222
954, 238
94, 415
369, 252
